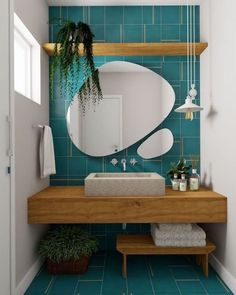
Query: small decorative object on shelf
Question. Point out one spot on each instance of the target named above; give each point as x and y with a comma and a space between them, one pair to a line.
68, 60
180, 168
175, 182
194, 179
183, 183
67, 249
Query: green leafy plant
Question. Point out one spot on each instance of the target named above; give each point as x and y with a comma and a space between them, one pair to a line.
68, 60
67, 242
180, 168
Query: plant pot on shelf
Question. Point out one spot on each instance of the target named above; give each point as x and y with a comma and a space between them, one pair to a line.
79, 266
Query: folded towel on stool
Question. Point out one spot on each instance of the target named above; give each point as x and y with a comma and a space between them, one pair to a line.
197, 233
174, 226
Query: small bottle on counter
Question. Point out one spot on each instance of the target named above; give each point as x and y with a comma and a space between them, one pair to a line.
183, 183
194, 181
175, 182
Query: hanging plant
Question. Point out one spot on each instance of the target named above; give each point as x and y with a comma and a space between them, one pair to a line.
68, 59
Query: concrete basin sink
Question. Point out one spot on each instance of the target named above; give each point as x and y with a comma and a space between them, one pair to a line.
124, 184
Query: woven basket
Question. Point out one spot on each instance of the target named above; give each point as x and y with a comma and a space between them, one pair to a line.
69, 266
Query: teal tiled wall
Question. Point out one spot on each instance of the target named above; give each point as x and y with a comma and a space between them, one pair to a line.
127, 24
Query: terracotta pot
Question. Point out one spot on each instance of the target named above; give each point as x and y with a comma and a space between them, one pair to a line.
69, 266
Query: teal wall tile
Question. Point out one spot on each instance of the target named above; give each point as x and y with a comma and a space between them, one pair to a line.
95, 165
152, 33
148, 15
126, 24
113, 33
77, 166
133, 15
191, 145
59, 128
157, 15
133, 33
99, 32
170, 14
75, 14
114, 14
61, 166
152, 166
57, 109
171, 71
170, 33
190, 128
61, 146
97, 15
184, 14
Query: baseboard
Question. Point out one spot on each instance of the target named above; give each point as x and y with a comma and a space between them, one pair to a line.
226, 276
28, 278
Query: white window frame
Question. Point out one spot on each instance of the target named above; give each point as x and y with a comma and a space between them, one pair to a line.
33, 67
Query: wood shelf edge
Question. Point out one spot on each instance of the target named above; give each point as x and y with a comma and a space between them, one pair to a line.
137, 49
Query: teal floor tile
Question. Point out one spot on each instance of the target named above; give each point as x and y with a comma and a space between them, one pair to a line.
183, 272
64, 284
191, 287
151, 275
88, 288
93, 273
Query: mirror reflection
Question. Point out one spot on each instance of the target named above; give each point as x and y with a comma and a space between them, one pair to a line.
135, 101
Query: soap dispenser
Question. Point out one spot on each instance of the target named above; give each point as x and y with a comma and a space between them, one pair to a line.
194, 181
175, 182
183, 183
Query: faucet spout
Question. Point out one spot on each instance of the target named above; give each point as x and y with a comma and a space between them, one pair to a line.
123, 162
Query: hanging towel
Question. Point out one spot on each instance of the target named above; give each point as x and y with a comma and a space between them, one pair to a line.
176, 227
197, 233
46, 153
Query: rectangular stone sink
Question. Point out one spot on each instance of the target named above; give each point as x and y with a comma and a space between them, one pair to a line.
124, 184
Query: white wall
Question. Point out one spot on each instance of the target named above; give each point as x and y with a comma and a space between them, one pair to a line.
34, 14
218, 137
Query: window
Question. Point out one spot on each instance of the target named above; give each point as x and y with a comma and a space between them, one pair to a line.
27, 69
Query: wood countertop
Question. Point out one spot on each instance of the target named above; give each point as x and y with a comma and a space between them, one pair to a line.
68, 204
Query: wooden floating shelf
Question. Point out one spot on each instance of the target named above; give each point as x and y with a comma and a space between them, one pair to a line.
136, 49
68, 204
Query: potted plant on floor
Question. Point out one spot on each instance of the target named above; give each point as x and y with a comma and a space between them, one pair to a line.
67, 249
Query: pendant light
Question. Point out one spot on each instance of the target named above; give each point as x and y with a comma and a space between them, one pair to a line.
189, 107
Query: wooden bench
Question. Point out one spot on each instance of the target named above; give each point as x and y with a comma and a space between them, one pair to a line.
144, 245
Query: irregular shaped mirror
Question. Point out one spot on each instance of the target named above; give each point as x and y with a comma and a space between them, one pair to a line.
135, 101
157, 144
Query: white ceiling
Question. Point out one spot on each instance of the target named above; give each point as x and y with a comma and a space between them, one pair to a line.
119, 2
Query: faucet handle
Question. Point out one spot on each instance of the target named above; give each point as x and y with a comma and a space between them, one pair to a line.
114, 162
133, 161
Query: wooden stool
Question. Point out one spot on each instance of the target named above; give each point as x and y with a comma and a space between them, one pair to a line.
144, 245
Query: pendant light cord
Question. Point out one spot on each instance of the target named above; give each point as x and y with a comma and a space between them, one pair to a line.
194, 47
191, 46
188, 48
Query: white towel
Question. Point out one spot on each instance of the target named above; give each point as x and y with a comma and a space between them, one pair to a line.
176, 227
197, 233
179, 243
46, 153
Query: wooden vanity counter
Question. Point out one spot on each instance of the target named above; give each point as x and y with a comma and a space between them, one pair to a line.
68, 204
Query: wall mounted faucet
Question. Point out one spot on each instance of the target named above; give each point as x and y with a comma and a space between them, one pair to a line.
123, 162
133, 161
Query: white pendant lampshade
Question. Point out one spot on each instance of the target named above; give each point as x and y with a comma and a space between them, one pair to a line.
189, 106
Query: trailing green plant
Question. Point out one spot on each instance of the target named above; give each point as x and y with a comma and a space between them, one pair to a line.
67, 242
180, 168
68, 60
